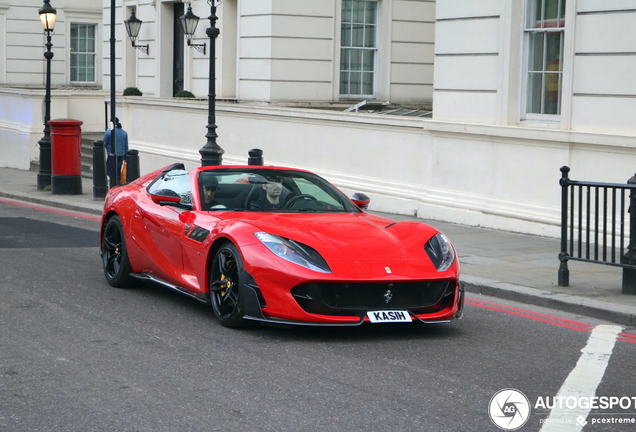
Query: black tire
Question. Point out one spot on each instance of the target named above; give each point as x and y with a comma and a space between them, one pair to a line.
225, 281
115, 255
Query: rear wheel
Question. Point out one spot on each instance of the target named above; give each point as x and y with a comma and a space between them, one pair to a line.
225, 280
115, 256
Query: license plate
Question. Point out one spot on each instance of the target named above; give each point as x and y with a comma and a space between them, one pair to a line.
389, 316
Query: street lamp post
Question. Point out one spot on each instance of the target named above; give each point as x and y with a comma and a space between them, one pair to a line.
211, 152
47, 16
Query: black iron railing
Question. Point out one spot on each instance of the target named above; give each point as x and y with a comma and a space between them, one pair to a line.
597, 226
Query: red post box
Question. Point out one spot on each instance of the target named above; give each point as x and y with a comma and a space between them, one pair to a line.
66, 158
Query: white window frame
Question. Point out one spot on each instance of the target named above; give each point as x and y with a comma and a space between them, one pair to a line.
545, 27
94, 53
374, 49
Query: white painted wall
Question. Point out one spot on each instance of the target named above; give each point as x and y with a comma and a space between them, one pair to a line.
3, 42
18, 128
476, 163
411, 51
22, 40
469, 61
604, 93
479, 64
275, 50
22, 120
503, 177
267, 50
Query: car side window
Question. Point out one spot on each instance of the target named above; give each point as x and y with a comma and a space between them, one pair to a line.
177, 181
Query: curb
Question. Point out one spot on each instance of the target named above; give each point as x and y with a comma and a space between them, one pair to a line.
51, 203
619, 314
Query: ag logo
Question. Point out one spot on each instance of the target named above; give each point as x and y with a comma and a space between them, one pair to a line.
509, 409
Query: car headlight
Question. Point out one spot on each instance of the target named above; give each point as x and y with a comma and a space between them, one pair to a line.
440, 251
294, 252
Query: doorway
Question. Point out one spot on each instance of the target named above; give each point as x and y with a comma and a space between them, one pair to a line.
178, 72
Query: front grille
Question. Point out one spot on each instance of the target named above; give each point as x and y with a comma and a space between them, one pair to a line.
348, 298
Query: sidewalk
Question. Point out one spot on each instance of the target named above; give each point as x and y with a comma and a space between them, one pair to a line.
495, 263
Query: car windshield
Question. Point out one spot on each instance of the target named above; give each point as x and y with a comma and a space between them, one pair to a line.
269, 190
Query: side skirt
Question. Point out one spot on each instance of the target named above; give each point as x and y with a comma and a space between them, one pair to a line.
203, 298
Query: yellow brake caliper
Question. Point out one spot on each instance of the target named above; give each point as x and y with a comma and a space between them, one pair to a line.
227, 285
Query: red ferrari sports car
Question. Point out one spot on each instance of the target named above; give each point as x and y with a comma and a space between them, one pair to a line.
276, 245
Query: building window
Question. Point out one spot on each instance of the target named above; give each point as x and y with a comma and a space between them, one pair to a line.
544, 29
83, 53
358, 47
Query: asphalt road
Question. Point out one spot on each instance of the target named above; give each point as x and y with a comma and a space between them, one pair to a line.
78, 355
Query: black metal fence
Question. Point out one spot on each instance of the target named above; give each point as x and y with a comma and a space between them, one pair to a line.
597, 226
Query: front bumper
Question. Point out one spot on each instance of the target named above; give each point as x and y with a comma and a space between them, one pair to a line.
309, 307
282, 292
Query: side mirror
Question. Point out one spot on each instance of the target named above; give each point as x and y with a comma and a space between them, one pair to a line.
166, 197
361, 200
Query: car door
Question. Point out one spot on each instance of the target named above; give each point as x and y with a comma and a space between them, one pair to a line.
198, 234
160, 228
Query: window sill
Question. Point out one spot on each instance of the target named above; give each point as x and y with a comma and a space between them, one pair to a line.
543, 123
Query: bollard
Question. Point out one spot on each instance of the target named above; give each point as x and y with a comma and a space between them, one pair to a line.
66, 157
564, 272
100, 184
132, 160
256, 157
629, 274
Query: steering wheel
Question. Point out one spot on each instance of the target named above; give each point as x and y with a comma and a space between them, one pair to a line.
293, 200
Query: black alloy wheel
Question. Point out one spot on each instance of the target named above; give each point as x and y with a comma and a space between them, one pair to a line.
225, 282
115, 256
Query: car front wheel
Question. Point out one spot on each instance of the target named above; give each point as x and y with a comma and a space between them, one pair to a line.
225, 280
115, 256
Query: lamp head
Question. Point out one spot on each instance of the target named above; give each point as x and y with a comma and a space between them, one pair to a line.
133, 24
47, 16
189, 22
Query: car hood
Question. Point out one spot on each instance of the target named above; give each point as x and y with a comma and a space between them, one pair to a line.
349, 236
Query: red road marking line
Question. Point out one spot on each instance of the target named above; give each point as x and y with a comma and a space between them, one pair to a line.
527, 314
566, 321
50, 210
574, 325
626, 337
